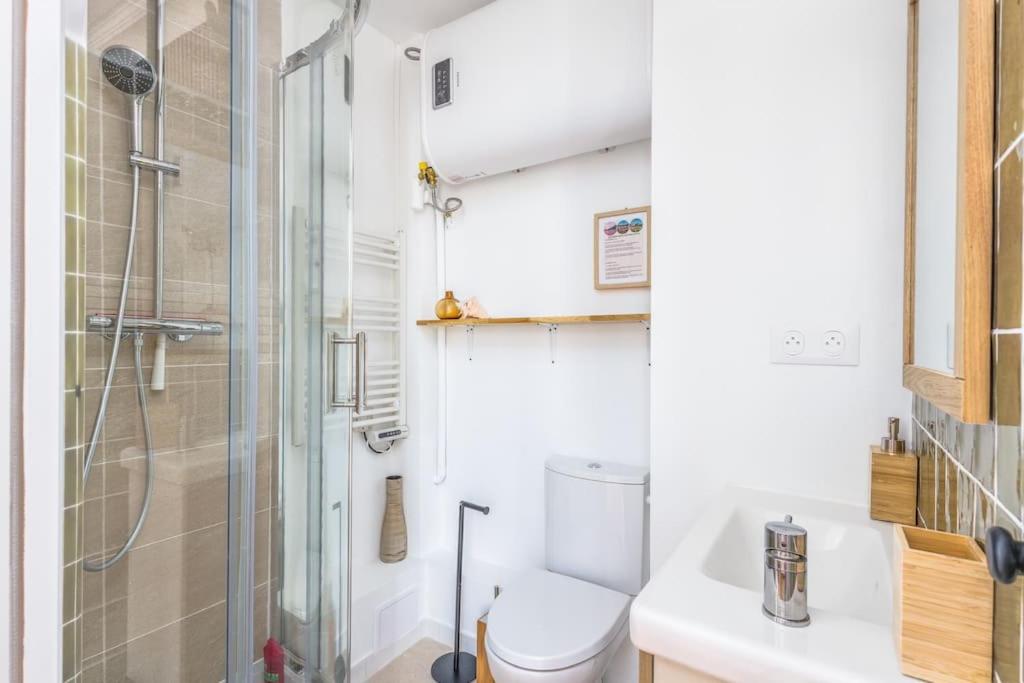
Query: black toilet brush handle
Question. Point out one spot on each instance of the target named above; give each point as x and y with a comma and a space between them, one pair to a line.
1005, 555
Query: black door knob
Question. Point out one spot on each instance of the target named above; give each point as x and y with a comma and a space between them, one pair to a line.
1005, 555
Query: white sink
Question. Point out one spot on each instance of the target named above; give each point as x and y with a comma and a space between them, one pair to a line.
702, 608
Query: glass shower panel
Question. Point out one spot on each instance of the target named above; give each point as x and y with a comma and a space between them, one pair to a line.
335, 507
219, 421
319, 383
151, 605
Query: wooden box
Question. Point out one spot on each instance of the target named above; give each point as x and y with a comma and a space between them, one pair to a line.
893, 487
942, 606
483, 667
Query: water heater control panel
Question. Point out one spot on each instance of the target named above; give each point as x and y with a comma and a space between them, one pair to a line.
443, 83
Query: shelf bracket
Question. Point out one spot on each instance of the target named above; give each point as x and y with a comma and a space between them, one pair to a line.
553, 342
469, 342
647, 329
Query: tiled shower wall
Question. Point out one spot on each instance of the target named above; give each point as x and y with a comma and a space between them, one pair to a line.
971, 477
74, 347
160, 613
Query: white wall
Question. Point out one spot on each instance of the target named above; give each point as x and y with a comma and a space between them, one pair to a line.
375, 208
6, 210
777, 181
43, 342
376, 585
522, 245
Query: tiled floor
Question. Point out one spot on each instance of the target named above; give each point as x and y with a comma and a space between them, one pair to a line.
413, 665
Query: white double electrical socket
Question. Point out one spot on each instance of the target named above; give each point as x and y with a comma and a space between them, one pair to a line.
802, 344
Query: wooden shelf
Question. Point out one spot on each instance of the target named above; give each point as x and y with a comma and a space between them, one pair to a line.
541, 320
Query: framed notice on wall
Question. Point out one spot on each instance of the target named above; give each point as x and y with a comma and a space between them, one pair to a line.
622, 248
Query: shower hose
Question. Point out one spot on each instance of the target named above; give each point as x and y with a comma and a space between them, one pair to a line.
101, 413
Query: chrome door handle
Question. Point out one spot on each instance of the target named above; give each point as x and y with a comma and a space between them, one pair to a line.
358, 399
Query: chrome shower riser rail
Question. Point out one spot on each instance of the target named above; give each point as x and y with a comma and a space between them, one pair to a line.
151, 164
173, 326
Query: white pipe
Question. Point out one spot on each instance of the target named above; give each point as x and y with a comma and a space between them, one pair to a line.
441, 457
441, 454
159, 355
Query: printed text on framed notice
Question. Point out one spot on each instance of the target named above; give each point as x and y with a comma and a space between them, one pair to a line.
622, 248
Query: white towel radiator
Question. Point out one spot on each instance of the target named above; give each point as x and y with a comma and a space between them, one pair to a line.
378, 309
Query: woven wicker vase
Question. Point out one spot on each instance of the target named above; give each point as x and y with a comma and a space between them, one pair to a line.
393, 539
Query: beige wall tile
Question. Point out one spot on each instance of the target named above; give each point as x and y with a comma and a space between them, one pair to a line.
1009, 251
69, 649
1010, 66
189, 650
161, 582
161, 594
1006, 379
1007, 624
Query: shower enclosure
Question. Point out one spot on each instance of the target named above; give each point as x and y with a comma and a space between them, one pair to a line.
211, 364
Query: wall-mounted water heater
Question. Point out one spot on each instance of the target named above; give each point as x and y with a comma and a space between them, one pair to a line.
522, 82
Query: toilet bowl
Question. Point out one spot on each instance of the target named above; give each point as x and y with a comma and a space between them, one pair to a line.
551, 628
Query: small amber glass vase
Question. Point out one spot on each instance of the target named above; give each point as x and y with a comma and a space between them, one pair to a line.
448, 308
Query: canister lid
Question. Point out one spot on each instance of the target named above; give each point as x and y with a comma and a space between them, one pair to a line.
786, 536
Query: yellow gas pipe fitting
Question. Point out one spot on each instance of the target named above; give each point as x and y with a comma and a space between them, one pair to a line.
427, 174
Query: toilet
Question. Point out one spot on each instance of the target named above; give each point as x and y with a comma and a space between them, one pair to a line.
564, 624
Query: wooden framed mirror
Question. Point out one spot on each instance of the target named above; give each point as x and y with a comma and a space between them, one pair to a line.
947, 278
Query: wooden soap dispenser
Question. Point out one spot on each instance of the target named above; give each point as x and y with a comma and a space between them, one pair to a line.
893, 479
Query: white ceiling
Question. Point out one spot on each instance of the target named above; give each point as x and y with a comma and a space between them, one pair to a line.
401, 19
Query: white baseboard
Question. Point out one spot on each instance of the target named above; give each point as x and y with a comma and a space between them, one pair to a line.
443, 633
427, 628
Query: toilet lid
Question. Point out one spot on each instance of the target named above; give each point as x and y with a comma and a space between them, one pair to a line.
546, 621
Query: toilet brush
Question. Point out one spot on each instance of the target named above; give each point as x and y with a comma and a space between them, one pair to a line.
458, 667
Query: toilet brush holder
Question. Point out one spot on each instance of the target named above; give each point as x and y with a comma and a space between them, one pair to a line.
456, 666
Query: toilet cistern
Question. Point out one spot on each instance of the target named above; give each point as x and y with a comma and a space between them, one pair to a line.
785, 573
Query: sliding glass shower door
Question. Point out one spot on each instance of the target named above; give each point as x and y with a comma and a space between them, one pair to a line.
323, 368
210, 368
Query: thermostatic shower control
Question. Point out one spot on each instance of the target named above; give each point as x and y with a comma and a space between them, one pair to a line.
443, 83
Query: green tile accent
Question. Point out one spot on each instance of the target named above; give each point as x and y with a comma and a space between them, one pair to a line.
82, 237
71, 547
70, 131
72, 476
81, 117
1009, 254
1009, 84
70, 362
1006, 377
70, 595
70, 185
80, 307
1006, 639
69, 652
72, 436
82, 71
80, 188
71, 244
1008, 463
70, 67
71, 303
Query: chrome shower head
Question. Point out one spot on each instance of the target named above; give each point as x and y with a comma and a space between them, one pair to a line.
131, 73
128, 71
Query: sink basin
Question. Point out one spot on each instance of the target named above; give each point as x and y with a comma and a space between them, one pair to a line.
702, 608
